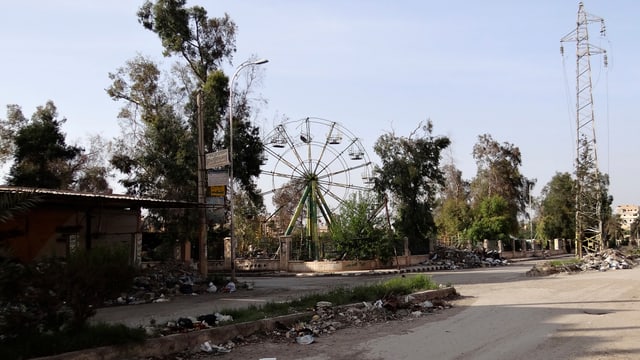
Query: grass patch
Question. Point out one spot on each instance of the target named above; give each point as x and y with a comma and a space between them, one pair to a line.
564, 262
339, 296
91, 336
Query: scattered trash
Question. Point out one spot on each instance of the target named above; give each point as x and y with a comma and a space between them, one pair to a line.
185, 323
212, 288
212, 349
229, 288
223, 318
161, 299
305, 339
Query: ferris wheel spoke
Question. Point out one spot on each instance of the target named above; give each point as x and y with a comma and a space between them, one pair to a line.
334, 196
282, 175
328, 175
350, 186
285, 162
324, 147
339, 155
293, 147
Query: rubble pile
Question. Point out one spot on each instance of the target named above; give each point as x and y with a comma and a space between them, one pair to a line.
609, 259
328, 319
452, 258
159, 282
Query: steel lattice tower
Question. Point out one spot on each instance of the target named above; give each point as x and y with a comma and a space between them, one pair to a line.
588, 178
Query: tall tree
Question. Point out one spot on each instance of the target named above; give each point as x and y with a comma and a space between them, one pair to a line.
453, 214
411, 175
42, 157
492, 220
499, 174
157, 150
557, 218
204, 43
8, 129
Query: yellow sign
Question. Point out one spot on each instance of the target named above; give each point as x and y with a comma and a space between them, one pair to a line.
217, 191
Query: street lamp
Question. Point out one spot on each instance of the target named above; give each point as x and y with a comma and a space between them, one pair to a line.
231, 192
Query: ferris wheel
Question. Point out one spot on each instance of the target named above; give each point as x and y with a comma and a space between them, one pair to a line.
322, 161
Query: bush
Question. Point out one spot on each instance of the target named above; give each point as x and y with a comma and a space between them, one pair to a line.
52, 295
93, 276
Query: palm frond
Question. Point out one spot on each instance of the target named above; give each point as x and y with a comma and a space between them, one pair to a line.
14, 202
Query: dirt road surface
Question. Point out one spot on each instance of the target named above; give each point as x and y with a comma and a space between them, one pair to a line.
502, 315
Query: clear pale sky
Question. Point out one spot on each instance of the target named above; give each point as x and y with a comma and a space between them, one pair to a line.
472, 67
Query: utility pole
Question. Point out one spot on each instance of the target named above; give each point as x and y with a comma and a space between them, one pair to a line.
588, 218
202, 210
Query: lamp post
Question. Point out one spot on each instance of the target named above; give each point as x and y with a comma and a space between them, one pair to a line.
231, 191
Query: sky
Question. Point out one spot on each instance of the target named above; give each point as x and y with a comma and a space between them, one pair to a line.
471, 67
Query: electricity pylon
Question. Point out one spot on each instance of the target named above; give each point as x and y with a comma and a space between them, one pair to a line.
589, 185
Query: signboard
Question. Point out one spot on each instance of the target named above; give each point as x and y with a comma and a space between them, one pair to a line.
217, 191
217, 177
217, 159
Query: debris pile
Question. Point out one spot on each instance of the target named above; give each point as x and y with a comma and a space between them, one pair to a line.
328, 318
452, 258
609, 259
160, 282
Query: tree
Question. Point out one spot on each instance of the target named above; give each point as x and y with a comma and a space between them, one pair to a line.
8, 129
498, 174
453, 214
157, 148
42, 158
410, 174
492, 220
557, 218
358, 231
205, 43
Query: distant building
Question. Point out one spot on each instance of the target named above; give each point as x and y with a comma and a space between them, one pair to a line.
628, 214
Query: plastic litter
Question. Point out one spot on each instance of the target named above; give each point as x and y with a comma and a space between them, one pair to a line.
209, 348
230, 287
305, 339
212, 288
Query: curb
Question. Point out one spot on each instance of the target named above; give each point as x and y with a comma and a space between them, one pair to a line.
175, 343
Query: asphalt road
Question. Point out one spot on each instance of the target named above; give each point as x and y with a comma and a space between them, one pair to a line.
502, 315
283, 288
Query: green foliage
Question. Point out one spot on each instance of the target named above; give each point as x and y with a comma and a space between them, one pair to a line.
8, 128
358, 231
93, 276
188, 32
339, 296
42, 157
14, 202
558, 209
453, 213
52, 295
499, 174
410, 173
491, 221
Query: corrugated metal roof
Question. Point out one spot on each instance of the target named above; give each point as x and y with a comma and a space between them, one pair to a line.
115, 198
